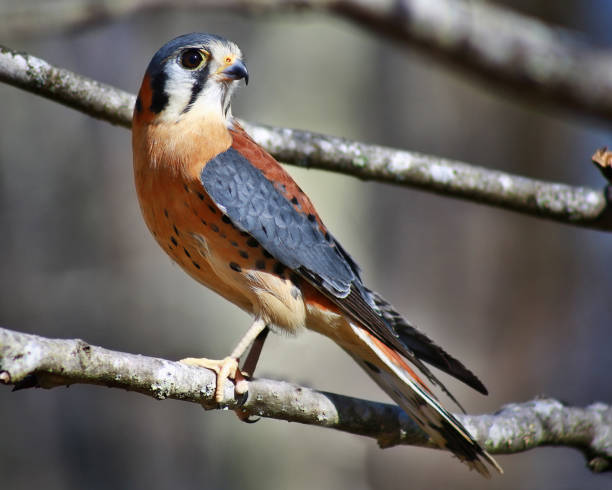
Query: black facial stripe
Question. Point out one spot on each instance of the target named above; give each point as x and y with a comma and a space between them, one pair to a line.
200, 77
159, 98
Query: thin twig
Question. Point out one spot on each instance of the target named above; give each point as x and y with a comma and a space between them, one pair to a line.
573, 205
31, 361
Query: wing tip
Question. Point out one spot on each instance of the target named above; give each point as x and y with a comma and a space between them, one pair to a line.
479, 465
459, 441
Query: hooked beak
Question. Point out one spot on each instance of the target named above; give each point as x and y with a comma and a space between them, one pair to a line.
236, 71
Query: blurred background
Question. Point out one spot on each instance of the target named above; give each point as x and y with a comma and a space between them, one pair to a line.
523, 302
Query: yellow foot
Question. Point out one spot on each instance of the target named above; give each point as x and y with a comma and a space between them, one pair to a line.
225, 368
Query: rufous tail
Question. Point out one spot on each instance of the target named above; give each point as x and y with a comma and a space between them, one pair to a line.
389, 370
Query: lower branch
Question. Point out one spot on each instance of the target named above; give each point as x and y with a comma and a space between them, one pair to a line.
31, 361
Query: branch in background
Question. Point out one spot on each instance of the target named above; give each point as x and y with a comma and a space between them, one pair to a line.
32, 361
560, 202
574, 205
514, 51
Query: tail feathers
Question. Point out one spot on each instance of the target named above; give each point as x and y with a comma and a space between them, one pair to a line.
396, 378
424, 348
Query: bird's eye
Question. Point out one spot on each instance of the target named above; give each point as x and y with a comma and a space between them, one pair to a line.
192, 59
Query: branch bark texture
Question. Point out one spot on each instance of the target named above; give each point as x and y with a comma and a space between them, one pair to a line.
31, 361
573, 205
66, 87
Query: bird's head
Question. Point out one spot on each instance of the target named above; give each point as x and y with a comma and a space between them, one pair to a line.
191, 75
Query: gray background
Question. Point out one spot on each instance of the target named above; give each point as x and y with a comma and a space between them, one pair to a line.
524, 302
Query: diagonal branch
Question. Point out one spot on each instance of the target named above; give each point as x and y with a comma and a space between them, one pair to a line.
32, 361
560, 202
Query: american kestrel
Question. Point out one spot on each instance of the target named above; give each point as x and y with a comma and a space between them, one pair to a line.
235, 221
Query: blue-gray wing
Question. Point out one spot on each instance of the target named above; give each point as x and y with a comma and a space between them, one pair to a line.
294, 238
257, 207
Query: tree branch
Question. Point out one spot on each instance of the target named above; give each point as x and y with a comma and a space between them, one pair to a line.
514, 51
32, 361
573, 205
581, 206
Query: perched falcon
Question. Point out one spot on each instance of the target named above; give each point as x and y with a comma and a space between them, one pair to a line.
236, 222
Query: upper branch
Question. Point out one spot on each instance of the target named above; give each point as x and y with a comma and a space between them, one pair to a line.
514, 51
574, 205
32, 361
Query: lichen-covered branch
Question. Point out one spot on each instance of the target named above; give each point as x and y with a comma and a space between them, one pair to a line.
574, 205
514, 51
31, 361
66, 87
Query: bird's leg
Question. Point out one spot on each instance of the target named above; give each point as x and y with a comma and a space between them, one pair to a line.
248, 369
251, 361
228, 367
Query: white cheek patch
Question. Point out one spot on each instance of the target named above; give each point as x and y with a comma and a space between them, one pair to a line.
179, 83
208, 102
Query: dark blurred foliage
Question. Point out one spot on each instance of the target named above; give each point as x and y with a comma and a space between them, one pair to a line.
524, 302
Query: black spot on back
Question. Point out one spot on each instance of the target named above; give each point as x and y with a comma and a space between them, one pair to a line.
235, 266
251, 242
214, 227
260, 264
294, 200
173, 240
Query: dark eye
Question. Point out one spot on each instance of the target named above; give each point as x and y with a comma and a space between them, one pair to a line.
191, 59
